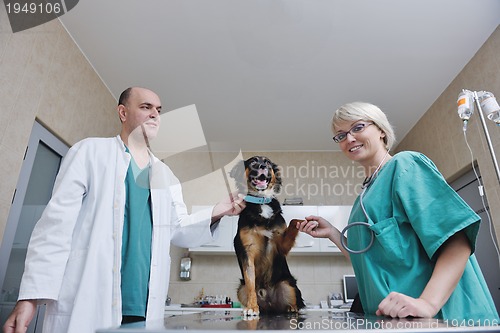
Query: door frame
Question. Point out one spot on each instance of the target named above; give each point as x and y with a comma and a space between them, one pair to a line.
38, 134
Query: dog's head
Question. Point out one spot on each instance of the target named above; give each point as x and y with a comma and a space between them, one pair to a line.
257, 176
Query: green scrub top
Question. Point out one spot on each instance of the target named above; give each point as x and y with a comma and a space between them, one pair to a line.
412, 212
136, 243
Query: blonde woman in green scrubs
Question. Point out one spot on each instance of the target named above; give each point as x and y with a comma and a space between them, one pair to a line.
413, 253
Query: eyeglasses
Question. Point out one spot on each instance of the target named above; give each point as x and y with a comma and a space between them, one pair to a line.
358, 128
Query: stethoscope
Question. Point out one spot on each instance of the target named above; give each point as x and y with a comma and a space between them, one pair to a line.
368, 181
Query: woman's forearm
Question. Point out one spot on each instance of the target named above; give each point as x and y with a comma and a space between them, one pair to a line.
335, 237
449, 268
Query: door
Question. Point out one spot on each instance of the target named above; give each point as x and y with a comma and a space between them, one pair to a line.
486, 253
34, 189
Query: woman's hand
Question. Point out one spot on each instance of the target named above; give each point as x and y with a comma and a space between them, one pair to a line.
316, 226
397, 305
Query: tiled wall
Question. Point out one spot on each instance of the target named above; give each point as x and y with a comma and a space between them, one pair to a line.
439, 132
44, 75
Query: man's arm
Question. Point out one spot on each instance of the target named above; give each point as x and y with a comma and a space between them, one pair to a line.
232, 205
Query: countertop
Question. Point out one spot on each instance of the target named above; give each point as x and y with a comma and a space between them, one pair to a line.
321, 321
179, 307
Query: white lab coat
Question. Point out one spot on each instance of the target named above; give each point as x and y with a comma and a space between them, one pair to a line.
74, 256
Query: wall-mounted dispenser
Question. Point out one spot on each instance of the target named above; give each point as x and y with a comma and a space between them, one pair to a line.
185, 273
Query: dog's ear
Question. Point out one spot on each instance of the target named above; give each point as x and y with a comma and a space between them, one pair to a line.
277, 172
277, 177
238, 173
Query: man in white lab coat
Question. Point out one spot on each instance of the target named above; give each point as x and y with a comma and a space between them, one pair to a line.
76, 263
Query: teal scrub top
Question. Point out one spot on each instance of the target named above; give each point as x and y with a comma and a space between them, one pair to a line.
412, 212
136, 244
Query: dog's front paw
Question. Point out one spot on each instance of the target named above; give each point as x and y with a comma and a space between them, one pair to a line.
292, 227
248, 323
254, 311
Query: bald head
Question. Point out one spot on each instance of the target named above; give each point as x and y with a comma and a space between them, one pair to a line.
124, 96
127, 93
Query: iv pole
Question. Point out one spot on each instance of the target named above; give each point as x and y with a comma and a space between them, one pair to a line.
487, 133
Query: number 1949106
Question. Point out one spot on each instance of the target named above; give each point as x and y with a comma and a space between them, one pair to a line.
33, 8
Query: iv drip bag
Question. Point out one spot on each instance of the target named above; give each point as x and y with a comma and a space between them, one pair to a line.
490, 107
465, 104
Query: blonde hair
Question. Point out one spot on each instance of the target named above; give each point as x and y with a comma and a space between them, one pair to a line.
368, 112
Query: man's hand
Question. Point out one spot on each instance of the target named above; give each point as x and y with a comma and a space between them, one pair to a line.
21, 317
231, 205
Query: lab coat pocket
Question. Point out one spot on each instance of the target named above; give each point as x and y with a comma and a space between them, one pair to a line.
72, 278
388, 243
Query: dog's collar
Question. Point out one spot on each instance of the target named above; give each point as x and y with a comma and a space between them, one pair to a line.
257, 200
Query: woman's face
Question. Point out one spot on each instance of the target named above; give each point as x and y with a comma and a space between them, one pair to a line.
363, 140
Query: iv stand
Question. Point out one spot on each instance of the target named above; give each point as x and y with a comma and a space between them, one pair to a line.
487, 133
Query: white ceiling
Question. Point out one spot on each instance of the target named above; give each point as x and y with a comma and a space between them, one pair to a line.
266, 75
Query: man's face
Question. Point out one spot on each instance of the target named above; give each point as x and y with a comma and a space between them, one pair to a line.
141, 113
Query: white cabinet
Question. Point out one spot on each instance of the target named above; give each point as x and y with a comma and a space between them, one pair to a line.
338, 216
223, 241
304, 244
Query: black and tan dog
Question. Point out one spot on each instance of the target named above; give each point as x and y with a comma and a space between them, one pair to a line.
262, 242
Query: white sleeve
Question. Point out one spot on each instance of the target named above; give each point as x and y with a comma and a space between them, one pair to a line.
190, 230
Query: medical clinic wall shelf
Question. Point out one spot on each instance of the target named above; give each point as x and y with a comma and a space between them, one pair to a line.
305, 244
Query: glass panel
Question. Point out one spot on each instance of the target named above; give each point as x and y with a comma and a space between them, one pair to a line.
39, 190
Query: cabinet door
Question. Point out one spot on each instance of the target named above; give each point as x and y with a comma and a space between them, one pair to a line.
338, 217
304, 243
223, 242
